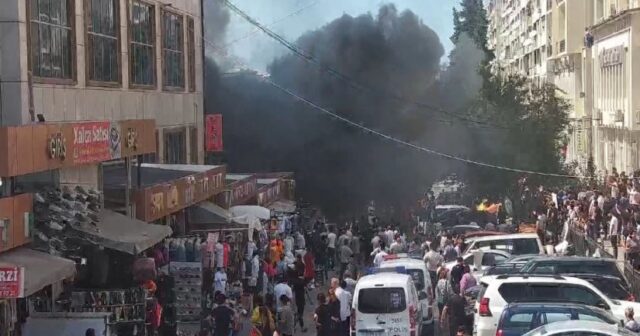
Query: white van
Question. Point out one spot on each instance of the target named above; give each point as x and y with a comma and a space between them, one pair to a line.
386, 304
417, 269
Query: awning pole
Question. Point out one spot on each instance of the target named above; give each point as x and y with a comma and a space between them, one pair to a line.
127, 193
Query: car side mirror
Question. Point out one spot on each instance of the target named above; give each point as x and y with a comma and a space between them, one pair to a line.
602, 305
422, 296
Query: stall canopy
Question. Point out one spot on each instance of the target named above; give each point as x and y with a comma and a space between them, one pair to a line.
283, 206
41, 269
254, 210
125, 234
209, 213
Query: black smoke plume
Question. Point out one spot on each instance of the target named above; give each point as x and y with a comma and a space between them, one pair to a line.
338, 167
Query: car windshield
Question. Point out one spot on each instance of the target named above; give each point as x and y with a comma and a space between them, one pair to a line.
418, 278
381, 300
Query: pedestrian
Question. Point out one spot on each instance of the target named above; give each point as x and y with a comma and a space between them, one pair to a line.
397, 246
613, 233
220, 281
286, 319
351, 282
90, 332
630, 323
433, 260
282, 288
457, 271
443, 289
345, 308
334, 312
346, 255
223, 316
454, 312
467, 281
379, 256
449, 250
261, 317
255, 272
309, 267
632, 248
541, 225
322, 316
298, 265
331, 248
299, 293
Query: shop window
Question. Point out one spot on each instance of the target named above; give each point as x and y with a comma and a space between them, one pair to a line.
172, 51
142, 44
193, 139
103, 35
191, 53
175, 146
51, 39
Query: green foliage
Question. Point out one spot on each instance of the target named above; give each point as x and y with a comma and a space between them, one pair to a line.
472, 20
532, 121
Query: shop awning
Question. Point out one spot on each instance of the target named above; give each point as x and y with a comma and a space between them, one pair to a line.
254, 210
285, 206
40, 269
208, 213
125, 234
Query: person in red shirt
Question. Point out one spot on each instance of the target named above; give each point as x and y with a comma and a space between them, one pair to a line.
309, 267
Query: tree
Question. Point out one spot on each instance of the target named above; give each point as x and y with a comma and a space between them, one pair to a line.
472, 20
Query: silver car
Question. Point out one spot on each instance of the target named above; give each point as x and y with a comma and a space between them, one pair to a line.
579, 328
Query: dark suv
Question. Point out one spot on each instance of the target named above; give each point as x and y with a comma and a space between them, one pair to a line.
519, 318
572, 265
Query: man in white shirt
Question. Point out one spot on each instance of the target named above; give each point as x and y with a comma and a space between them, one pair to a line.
613, 233
300, 241
345, 307
220, 281
389, 236
331, 248
288, 244
379, 258
433, 260
397, 246
282, 288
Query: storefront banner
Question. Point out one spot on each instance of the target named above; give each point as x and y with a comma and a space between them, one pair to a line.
11, 282
243, 191
269, 194
91, 142
213, 133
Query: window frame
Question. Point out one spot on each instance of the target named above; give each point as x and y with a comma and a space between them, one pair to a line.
154, 31
165, 87
191, 53
74, 59
179, 131
88, 52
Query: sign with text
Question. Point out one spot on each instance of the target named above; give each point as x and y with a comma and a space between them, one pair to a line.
91, 142
11, 282
269, 194
213, 133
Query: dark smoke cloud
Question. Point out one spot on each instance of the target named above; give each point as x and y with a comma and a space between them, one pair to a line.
338, 167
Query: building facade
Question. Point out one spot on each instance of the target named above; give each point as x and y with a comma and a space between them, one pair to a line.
85, 60
588, 54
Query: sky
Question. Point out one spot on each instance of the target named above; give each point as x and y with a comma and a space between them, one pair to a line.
298, 16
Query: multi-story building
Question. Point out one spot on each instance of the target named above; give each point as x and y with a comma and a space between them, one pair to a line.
90, 60
615, 58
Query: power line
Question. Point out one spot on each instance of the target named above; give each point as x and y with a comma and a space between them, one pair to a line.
394, 139
345, 78
255, 30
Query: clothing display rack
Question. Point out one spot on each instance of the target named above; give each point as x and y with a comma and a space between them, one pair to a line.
187, 278
127, 306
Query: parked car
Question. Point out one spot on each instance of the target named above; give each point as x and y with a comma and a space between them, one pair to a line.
418, 271
515, 244
579, 328
451, 215
573, 265
479, 261
463, 229
613, 287
519, 318
386, 304
499, 291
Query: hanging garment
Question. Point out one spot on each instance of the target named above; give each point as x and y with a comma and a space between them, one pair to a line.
219, 255
227, 253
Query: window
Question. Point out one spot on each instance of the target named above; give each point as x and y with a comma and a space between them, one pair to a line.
103, 49
51, 41
172, 50
191, 53
175, 146
381, 300
193, 138
142, 44
418, 278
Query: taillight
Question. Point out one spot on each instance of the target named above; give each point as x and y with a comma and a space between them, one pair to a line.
484, 307
631, 298
353, 320
499, 332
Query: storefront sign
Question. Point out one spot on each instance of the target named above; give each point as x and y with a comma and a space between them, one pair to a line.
269, 194
213, 133
163, 199
611, 57
612, 27
11, 282
47, 146
91, 142
243, 191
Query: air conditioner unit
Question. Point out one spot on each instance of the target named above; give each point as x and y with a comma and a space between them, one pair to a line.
619, 116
